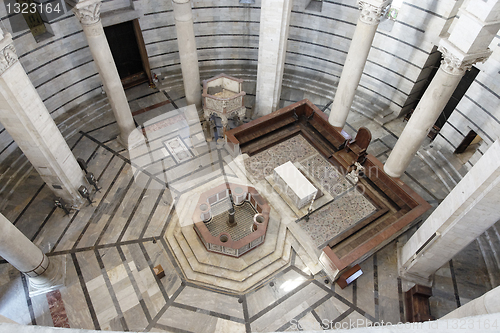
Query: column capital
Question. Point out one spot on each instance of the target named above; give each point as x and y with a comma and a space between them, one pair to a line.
88, 12
8, 54
372, 10
455, 61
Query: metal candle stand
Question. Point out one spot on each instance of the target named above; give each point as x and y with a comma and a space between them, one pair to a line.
92, 181
58, 202
86, 194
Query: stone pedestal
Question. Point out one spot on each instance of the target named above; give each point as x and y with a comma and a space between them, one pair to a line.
187, 51
88, 12
28, 121
273, 36
371, 12
25, 256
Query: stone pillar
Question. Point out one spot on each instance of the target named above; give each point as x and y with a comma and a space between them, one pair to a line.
89, 15
369, 18
187, 51
25, 256
468, 211
28, 121
273, 36
467, 44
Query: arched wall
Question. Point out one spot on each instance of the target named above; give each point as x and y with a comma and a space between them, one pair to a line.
227, 37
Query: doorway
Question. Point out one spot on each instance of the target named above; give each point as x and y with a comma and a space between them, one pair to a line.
468, 146
129, 53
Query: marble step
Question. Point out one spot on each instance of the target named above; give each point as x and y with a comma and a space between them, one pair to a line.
93, 109
235, 264
12, 177
211, 281
80, 123
440, 167
489, 244
303, 245
456, 165
239, 276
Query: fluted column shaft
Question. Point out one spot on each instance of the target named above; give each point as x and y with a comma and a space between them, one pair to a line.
369, 18
187, 51
88, 13
28, 121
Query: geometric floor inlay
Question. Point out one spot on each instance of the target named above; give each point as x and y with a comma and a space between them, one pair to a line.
330, 221
294, 149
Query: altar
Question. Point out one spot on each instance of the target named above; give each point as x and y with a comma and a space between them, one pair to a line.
294, 184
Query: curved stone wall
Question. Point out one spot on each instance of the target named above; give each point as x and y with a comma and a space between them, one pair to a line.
227, 33
478, 110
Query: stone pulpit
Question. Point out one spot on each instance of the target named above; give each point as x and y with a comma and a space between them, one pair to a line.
223, 97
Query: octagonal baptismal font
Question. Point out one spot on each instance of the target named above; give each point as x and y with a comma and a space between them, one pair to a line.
231, 219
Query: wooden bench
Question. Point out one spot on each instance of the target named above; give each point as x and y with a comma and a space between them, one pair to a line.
334, 137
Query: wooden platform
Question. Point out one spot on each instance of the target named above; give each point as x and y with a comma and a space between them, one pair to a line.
398, 206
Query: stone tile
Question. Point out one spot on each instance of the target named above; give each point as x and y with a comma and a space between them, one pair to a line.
288, 309
330, 310
11, 288
387, 283
365, 288
74, 300
198, 322
227, 326
309, 323
267, 295
135, 319
210, 301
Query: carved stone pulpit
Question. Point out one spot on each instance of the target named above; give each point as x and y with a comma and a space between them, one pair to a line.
223, 97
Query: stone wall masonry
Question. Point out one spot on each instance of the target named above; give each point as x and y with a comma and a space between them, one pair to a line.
478, 110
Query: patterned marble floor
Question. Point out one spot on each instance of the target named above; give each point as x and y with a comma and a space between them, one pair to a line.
294, 149
111, 247
329, 221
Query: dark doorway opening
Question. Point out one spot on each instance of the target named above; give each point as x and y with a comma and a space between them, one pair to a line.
469, 140
129, 53
459, 92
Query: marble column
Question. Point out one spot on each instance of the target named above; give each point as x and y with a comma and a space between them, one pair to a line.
466, 212
89, 15
361, 43
273, 37
468, 43
25, 256
28, 121
187, 51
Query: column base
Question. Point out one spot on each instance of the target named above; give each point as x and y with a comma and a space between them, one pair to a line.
56, 277
134, 139
390, 173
